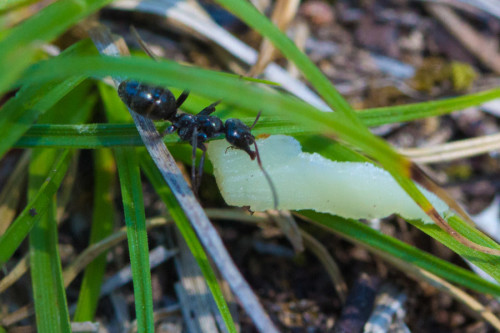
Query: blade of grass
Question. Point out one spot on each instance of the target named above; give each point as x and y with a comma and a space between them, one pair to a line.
133, 206
19, 46
102, 227
402, 113
110, 135
246, 12
19, 113
333, 125
130, 183
46, 273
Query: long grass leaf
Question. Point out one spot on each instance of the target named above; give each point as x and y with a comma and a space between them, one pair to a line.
46, 274
245, 11
408, 112
252, 97
92, 136
52, 312
102, 227
133, 206
19, 46
19, 113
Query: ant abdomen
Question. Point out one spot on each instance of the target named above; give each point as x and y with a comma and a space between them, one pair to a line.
154, 102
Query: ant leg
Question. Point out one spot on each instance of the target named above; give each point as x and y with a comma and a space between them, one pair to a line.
194, 143
200, 166
256, 119
182, 98
169, 130
209, 109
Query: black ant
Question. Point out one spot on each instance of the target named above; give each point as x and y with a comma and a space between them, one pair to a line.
158, 103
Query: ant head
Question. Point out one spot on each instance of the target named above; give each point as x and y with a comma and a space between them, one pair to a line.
238, 135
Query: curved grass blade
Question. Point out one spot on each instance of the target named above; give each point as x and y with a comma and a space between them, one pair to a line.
133, 206
46, 274
102, 227
408, 112
19, 113
19, 46
91, 136
256, 98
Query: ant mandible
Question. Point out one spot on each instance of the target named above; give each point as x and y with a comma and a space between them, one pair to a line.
158, 103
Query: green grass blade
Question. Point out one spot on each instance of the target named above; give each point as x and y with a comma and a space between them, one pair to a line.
93, 136
408, 112
19, 46
36, 208
366, 236
156, 179
46, 274
133, 205
19, 113
102, 227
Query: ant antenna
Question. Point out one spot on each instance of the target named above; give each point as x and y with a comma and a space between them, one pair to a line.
256, 120
268, 178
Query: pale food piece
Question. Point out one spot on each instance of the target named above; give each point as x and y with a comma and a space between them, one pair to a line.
310, 181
